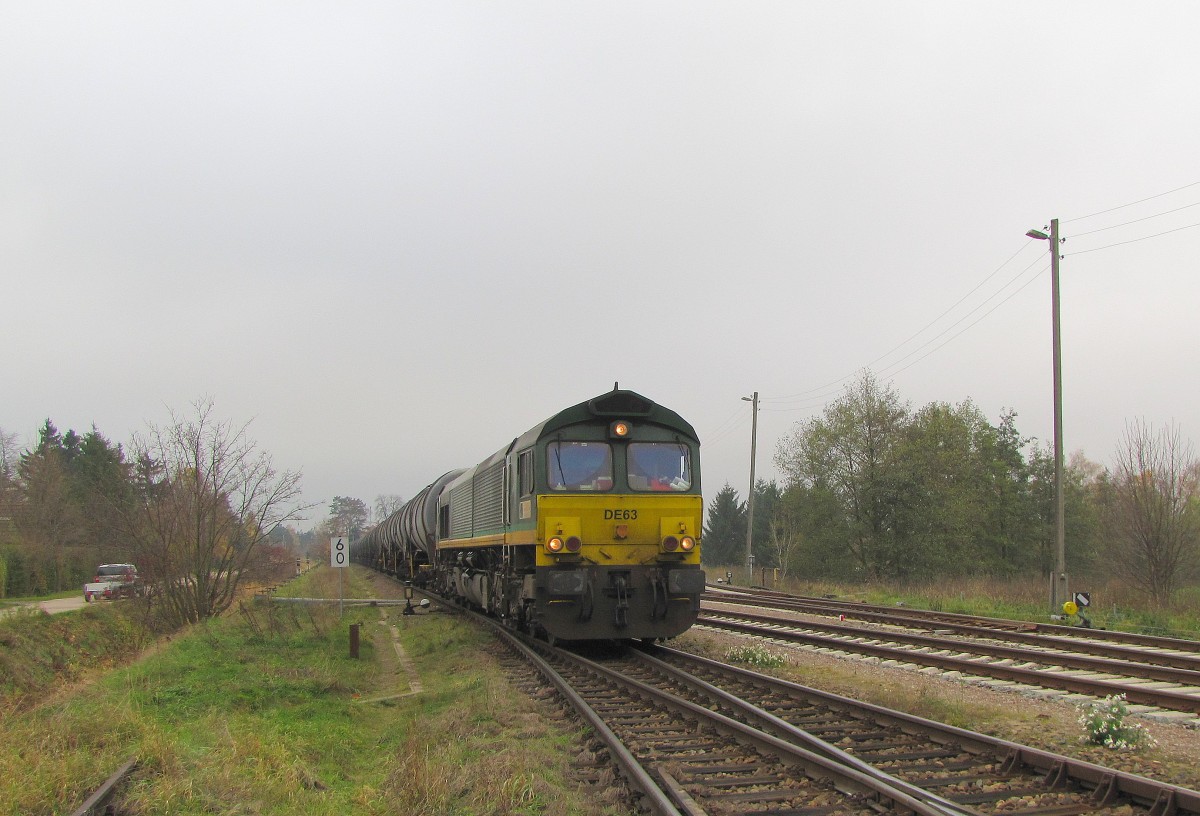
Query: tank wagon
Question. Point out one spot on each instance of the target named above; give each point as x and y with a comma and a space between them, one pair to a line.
586, 526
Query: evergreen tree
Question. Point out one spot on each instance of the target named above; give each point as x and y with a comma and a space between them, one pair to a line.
724, 539
348, 515
102, 487
47, 520
767, 500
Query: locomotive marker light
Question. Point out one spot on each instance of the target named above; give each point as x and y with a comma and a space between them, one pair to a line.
619, 429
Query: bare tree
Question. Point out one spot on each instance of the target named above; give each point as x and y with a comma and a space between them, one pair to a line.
385, 505
9, 456
211, 498
786, 533
1152, 519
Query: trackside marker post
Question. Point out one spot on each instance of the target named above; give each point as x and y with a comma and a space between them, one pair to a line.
338, 557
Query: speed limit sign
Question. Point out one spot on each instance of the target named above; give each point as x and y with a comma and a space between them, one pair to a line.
338, 551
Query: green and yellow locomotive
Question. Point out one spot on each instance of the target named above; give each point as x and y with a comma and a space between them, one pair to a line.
585, 527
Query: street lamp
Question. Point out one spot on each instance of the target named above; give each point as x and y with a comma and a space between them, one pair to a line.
750, 501
1057, 598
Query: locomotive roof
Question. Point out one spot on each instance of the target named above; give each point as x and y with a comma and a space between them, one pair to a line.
616, 404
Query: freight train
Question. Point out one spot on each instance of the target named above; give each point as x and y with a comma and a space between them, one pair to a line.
585, 527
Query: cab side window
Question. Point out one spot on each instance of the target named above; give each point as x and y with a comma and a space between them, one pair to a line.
525, 473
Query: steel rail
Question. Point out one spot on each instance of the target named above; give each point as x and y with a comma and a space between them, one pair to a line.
101, 796
1107, 783
658, 800
853, 780
1170, 700
1125, 667
817, 766
1029, 634
852, 608
797, 735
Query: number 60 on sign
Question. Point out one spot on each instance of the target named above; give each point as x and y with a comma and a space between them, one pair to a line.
338, 551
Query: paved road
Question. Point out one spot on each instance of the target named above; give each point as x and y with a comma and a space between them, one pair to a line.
63, 604
52, 607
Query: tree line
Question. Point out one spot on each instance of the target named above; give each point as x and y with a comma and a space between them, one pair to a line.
196, 504
875, 489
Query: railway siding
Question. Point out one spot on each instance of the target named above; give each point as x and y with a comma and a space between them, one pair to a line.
1167, 692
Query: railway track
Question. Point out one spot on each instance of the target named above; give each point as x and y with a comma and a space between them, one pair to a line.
999, 628
99, 803
694, 736
972, 770
1168, 681
683, 758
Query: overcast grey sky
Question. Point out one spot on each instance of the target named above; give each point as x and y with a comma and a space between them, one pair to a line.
396, 234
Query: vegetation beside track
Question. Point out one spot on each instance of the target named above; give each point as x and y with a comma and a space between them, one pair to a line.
263, 711
43, 653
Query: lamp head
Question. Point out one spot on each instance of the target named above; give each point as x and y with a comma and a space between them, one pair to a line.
1038, 234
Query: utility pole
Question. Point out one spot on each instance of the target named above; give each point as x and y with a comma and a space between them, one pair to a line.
1058, 582
1060, 526
750, 501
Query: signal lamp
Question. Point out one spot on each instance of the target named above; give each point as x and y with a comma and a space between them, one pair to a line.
687, 543
574, 544
554, 545
619, 429
670, 543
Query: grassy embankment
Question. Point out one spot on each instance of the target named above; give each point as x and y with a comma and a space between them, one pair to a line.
265, 712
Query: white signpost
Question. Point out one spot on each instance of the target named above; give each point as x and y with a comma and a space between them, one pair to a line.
339, 557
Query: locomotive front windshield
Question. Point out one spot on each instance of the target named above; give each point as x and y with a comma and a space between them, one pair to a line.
659, 466
580, 465
588, 466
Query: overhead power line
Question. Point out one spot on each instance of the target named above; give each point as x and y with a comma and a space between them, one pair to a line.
1131, 203
820, 392
820, 395
1135, 240
1136, 220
